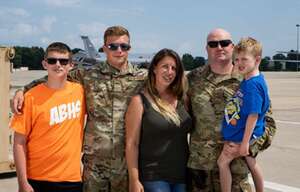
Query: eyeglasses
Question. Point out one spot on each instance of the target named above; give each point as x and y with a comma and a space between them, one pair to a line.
115, 46
62, 61
223, 43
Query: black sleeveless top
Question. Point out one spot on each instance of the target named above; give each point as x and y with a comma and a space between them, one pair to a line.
163, 149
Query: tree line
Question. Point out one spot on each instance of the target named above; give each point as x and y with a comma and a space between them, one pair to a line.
32, 57
281, 62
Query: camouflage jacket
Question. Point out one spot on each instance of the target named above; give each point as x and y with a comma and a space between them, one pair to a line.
208, 94
107, 92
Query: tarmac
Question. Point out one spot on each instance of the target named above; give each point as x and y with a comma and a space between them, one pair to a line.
280, 163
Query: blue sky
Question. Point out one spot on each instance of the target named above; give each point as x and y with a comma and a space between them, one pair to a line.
153, 24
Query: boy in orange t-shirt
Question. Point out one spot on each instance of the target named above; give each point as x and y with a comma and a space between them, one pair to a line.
48, 134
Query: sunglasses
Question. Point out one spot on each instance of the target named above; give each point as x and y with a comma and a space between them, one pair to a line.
115, 46
222, 43
62, 61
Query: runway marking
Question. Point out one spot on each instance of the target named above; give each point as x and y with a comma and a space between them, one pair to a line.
278, 187
288, 122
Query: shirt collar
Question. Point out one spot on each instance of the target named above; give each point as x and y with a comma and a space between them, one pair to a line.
105, 67
219, 78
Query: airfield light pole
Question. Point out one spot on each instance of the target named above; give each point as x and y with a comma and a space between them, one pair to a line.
297, 25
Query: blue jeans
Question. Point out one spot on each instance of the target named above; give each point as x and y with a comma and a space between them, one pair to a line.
163, 186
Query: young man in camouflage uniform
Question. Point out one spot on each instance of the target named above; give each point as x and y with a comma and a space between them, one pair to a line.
108, 87
209, 89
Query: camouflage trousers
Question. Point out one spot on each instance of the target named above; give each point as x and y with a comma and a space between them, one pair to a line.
97, 178
209, 181
263, 142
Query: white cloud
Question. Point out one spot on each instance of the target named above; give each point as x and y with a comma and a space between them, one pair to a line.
185, 47
17, 26
13, 11
9, 16
146, 45
18, 33
47, 23
122, 12
63, 3
14, 24
45, 40
25, 29
20, 12
71, 40
94, 29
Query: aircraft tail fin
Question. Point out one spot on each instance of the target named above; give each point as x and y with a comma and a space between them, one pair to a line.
89, 47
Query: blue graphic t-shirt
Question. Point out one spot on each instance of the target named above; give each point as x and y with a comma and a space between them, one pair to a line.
251, 98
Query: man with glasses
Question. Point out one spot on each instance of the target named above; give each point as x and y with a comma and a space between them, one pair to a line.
108, 87
209, 89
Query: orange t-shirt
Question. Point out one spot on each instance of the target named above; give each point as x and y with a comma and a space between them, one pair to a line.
53, 121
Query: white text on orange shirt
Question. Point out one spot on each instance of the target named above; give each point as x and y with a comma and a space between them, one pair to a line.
64, 111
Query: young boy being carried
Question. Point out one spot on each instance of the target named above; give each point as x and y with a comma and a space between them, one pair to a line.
48, 134
245, 113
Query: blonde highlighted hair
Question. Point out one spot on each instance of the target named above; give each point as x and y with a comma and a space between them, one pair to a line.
248, 45
177, 88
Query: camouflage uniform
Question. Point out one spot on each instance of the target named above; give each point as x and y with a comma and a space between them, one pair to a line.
208, 93
107, 92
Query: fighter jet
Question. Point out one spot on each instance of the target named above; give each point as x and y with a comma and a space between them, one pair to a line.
89, 56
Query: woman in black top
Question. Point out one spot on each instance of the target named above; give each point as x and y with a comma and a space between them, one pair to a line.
156, 128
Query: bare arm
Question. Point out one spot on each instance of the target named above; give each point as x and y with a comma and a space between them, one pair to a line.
250, 125
20, 150
133, 120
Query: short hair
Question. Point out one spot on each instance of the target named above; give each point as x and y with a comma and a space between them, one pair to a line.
115, 31
58, 47
249, 45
